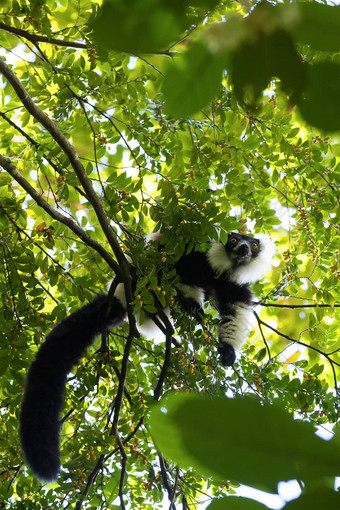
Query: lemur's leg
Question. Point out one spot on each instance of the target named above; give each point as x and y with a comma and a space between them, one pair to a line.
191, 299
233, 330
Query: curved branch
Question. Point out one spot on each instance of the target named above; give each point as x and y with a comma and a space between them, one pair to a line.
100, 464
166, 327
294, 340
37, 145
167, 486
41, 38
133, 333
322, 353
71, 153
262, 334
122, 478
167, 357
91, 479
7, 164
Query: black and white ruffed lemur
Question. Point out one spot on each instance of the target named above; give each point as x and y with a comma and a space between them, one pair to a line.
222, 274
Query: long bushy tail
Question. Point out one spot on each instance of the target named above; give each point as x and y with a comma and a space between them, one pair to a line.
45, 384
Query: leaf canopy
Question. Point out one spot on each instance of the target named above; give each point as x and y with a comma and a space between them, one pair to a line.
199, 118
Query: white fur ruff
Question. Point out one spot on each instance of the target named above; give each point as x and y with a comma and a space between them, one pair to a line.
218, 258
257, 267
249, 272
236, 331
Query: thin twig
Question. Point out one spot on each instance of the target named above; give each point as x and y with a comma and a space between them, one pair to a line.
262, 334
278, 305
162, 376
299, 342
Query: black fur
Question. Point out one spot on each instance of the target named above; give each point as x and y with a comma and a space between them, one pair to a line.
227, 354
222, 274
46, 379
195, 269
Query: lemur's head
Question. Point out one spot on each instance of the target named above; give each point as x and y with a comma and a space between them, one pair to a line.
245, 259
241, 248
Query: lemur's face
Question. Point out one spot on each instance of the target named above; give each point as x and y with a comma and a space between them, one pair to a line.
241, 248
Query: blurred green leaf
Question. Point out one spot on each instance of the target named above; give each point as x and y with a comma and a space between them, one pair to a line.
322, 498
144, 27
318, 25
266, 56
239, 439
192, 81
320, 102
135, 27
235, 503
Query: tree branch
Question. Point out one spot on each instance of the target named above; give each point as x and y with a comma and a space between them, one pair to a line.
166, 484
133, 333
71, 153
168, 331
41, 38
37, 145
304, 344
278, 305
123, 470
262, 334
161, 379
100, 464
7, 164
91, 479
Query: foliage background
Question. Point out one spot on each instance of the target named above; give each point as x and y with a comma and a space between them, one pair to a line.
138, 167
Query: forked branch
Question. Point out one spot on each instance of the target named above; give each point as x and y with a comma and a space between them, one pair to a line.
70, 151
7, 164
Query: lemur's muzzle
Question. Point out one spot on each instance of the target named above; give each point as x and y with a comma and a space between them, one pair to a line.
243, 250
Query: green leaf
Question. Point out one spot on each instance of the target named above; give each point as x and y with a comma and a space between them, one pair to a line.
320, 102
192, 81
261, 355
144, 27
135, 27
323, 498
240, 439
235, 503
266, 56
318, 26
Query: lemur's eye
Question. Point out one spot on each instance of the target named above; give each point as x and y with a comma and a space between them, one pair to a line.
233, 241
254, 246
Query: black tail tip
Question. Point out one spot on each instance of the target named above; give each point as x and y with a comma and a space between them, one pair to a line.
45, 469
47, 475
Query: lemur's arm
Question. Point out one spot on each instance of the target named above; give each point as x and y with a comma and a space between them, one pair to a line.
45, 383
